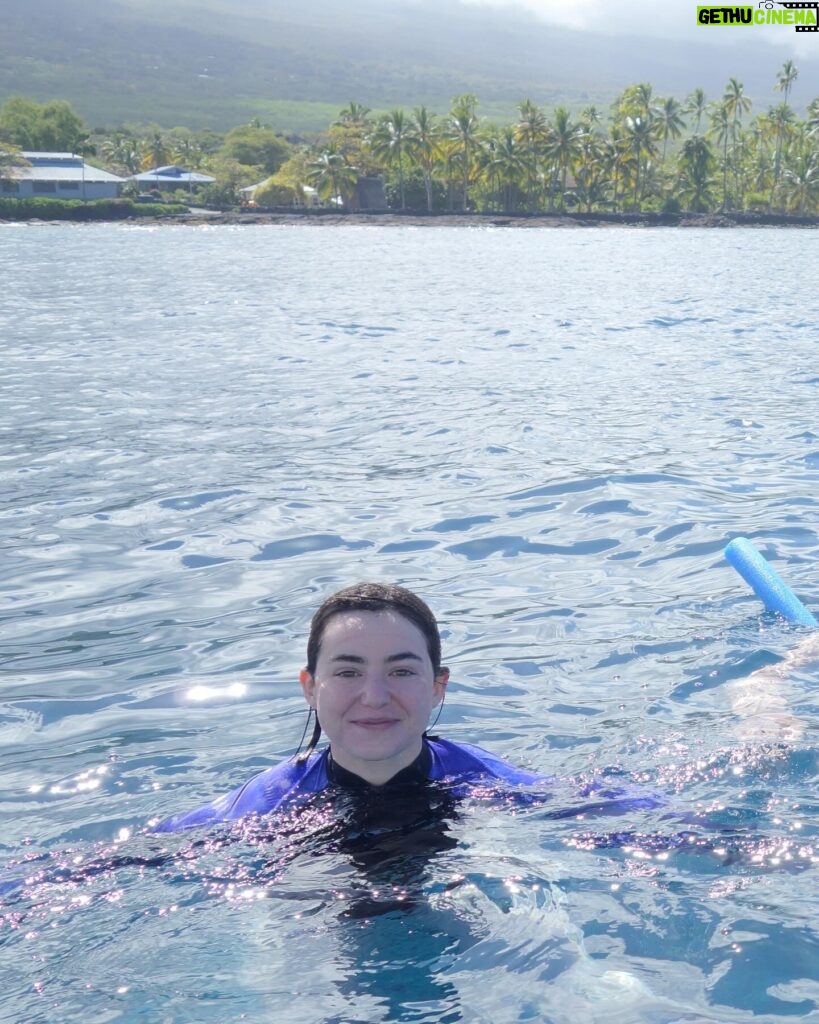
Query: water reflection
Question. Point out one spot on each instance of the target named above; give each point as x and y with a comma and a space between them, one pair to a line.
389, 940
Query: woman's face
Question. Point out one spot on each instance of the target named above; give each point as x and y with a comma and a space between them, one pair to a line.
373, 690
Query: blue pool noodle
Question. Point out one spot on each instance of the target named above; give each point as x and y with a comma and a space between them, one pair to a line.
771, 590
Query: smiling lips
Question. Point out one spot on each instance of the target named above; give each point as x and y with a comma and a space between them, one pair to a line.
374, 723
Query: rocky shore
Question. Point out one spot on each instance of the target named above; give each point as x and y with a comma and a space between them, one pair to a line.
483, 220
332, 218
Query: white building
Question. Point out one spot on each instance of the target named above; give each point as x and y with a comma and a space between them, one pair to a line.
59, 176
171, 177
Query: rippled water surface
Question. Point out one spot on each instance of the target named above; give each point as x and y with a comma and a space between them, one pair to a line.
551, 435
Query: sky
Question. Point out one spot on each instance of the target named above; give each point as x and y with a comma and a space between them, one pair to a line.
661, 19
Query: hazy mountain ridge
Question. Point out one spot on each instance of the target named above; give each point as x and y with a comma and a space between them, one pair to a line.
216, 62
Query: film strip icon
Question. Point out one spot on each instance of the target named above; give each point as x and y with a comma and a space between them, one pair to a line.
814, 6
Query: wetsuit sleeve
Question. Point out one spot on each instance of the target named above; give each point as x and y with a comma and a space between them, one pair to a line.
260, 795
469, 763
611, 796
467, 768
222, 809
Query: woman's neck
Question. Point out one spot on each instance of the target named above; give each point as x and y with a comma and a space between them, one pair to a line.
414, 774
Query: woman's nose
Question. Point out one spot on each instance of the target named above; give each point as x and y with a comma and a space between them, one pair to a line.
375, 691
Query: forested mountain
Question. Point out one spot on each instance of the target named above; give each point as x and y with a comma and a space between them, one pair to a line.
216, 63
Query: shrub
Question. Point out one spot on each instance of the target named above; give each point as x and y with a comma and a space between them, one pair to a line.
757, 202
40, 208
220, 195
269, 193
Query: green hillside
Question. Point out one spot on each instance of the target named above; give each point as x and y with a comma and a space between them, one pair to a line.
216, 63
208, 66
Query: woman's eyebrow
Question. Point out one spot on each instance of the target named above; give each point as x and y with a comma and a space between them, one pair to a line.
356, 659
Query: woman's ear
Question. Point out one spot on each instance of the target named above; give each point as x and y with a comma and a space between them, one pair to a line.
441, 679
308, 686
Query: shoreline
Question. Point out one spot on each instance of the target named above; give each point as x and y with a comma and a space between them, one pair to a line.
333, 218
505, 220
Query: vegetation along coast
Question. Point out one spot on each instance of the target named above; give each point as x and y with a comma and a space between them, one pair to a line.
648, 160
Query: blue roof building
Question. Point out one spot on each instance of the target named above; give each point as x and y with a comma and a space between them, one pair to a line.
59, 176
171, 177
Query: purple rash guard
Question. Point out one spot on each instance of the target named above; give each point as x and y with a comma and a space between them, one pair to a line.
462, 767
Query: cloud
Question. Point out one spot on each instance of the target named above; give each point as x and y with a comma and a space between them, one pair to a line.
657, 19
616, 16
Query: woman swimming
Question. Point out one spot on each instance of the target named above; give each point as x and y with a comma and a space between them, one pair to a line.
373, 678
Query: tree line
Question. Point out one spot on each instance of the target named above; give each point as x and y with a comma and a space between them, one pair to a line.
648, 154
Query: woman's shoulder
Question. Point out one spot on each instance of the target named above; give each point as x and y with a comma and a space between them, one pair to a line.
469, 761
261, 794
466, 766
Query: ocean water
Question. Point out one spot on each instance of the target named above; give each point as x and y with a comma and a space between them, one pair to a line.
551, 435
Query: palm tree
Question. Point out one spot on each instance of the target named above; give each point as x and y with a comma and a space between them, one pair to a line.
781, 118
593, 183
812, 122
720, 129
619, 159
670, 123
759, 163
332, 177
389, 143
785, 77
124, 151
506, 164
697, 105
643, 92
531, 131
185, 149
634, 101
735, 100
424, 146
643, 97
640, 135
696, 162
736, 104
800, 182
462, 129
155, 151
591, 162
353, 113
590, 118
635, 119
563, 148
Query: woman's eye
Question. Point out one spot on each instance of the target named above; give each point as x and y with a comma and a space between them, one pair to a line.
404, 673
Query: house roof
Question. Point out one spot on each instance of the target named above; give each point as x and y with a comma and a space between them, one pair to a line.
59, 167
37, 156
307, 189
174, 174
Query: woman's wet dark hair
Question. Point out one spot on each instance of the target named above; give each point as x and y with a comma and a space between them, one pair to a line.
369, 597
376, 597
